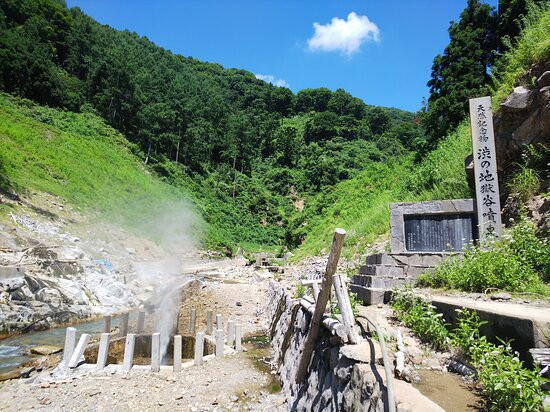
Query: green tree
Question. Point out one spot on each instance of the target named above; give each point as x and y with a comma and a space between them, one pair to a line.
462, 72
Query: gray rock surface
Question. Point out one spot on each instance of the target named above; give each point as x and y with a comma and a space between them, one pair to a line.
521, 99
544, 79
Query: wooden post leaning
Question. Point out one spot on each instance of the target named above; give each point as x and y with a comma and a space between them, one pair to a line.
320, 304
342, 296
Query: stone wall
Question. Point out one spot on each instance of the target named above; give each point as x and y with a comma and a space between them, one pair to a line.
336, 381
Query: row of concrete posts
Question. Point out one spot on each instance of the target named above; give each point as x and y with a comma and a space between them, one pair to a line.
72, 354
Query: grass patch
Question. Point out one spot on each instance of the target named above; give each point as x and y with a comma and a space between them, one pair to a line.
520, 262
361, 204
532, 46
506, 383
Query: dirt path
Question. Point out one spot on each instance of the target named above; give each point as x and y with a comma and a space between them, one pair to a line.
239, 382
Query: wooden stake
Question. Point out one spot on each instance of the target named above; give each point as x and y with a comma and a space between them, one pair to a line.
320, 305
315, 287
345, 307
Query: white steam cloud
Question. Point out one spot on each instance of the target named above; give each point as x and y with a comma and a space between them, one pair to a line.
345, 36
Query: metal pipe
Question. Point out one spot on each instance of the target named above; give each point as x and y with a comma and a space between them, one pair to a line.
386, 361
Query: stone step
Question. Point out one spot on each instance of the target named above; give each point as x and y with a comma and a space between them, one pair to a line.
371, 296
414, 259
383, 282
381, 270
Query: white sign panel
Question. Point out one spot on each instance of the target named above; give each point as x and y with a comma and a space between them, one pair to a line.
485, 168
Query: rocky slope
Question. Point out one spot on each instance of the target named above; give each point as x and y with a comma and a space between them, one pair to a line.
58, 265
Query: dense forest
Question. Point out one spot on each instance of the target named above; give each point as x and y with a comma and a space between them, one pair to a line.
260, 150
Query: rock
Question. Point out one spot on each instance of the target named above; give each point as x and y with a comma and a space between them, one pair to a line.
521, 99
45, 350
131, 250
544, 79
14, 374
404, 407
501, 296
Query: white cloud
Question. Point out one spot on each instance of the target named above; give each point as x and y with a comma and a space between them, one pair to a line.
269, 78
344, 35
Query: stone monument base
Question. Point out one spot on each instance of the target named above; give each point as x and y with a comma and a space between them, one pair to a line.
382, 272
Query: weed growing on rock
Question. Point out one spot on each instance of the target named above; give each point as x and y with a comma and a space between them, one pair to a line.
507, 384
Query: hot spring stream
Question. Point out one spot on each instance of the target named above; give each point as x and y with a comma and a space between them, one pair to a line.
15, 351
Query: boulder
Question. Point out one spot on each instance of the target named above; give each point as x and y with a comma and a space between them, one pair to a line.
521, 99
544, 79
45, 350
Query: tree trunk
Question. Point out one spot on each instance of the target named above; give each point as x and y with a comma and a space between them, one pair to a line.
234, 174
148, 152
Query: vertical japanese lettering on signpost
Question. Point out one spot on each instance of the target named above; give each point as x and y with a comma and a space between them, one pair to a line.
485, 169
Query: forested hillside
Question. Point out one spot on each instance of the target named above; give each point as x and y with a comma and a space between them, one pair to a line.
264, 166
258, 148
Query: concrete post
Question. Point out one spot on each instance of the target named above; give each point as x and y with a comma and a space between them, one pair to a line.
155, 352
129, 352
238, 337
199, 348
230, 333
107, 324
219, 342
70, 340
141, 321
193, 322
103, 351
209, 321
219, 324
177, 353
123, 326
79, 350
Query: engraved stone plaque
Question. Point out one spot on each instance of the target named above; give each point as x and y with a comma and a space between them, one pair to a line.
439, 232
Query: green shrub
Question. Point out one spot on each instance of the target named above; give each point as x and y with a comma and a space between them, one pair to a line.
421, 317
518, 263
524, 184
507, 384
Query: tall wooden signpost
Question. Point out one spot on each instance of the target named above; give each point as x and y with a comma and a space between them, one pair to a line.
485, 169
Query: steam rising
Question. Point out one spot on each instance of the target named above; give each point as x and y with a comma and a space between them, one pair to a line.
175, 227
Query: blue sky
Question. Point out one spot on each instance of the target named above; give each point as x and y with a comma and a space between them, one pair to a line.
378, 50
